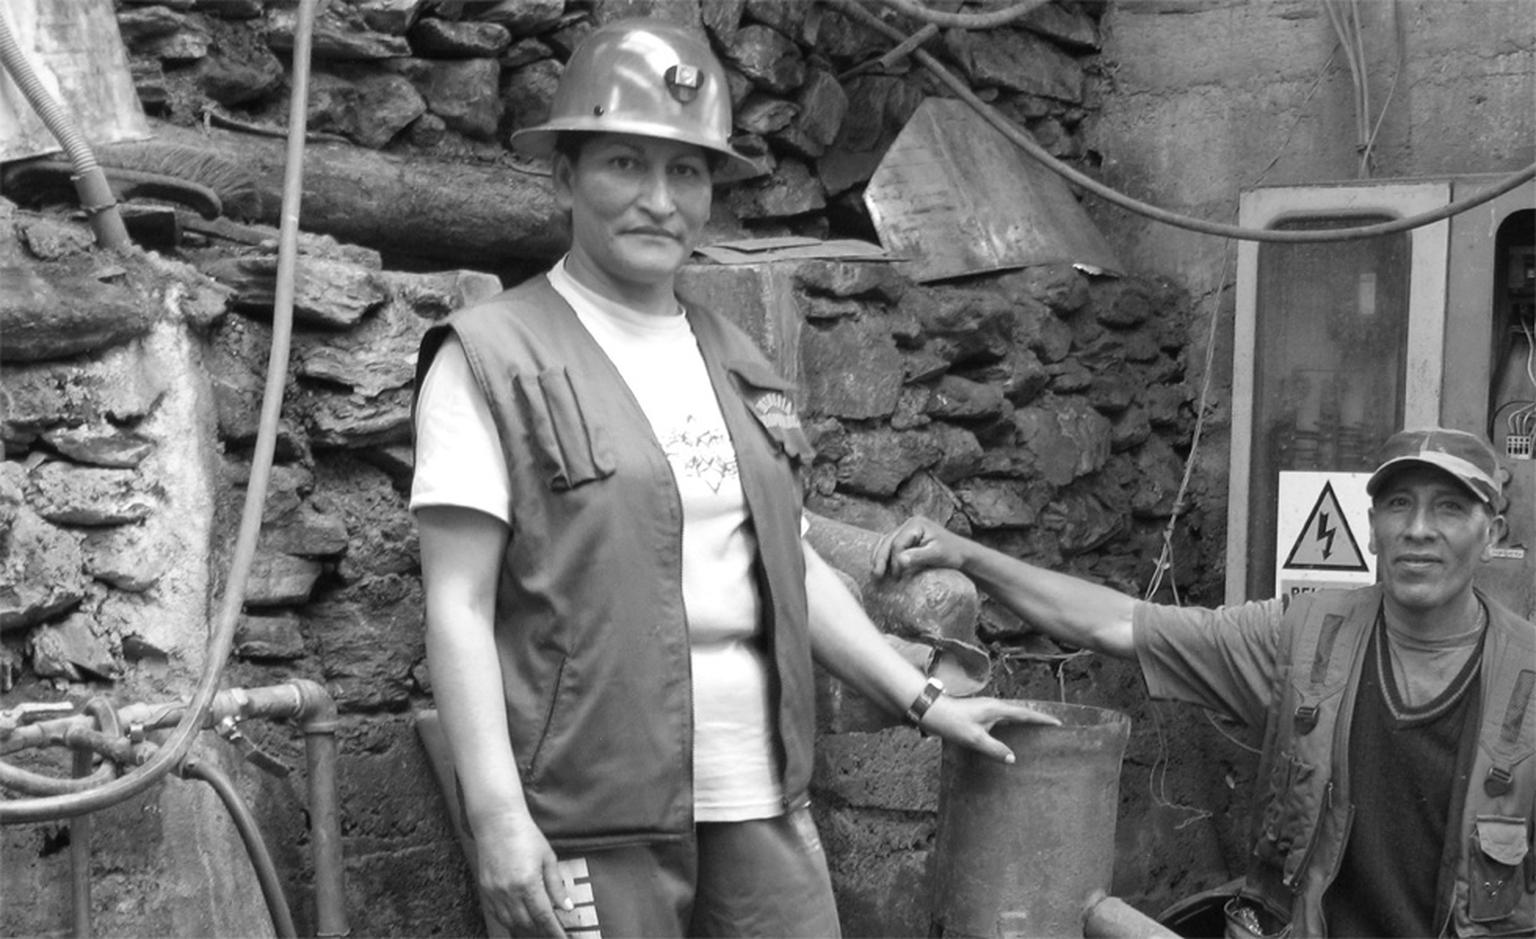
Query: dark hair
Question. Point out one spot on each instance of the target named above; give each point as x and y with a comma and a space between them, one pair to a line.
568, 143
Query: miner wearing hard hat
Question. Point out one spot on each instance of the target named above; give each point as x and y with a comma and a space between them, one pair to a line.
622, 612
1397, 780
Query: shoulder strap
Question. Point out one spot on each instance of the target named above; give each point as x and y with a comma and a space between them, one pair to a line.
1505, 748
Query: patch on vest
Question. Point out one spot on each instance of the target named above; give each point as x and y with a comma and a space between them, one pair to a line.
776, 411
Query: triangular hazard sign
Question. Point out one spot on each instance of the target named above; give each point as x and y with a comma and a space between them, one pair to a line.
1326, 542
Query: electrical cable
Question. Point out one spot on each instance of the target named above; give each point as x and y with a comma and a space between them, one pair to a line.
1523, 422
1024, 141
1165, 557
181, 738
1341, 31
1401, 46
1364, 119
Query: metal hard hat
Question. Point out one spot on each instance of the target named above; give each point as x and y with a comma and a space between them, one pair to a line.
645, 77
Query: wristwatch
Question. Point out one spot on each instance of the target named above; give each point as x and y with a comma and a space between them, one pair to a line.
924, 700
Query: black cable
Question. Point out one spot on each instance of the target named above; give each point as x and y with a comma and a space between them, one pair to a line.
255, 845
1027, 143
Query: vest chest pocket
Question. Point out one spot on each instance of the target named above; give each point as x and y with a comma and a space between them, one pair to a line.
770, 399
1500, 849
568, 446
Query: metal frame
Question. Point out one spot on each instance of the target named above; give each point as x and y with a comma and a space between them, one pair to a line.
1429, 247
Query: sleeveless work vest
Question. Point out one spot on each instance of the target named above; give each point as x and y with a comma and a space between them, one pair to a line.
1301, 825
590, 624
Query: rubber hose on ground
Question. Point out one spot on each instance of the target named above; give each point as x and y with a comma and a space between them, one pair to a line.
255, 845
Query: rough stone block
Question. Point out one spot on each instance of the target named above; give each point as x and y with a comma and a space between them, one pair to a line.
895, 769
128, 557
880, 460
328, 293
69, 494
962, 399
852, 370
465, 93
434, 37
370, 637
280, 580
40, 566
791, 190
71, 650
521, 17
65, 309
339, 35
269, 637
100, 445
1068, 439
759, 298
997, 503
1016, 61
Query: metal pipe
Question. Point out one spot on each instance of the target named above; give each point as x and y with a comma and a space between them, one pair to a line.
292, 700
96, 196
319, 725
80, 857
255, 845
82, 739
1113, 918
301, 700
179, 743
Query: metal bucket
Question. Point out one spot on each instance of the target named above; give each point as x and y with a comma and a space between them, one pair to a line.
79, 57
1023, 849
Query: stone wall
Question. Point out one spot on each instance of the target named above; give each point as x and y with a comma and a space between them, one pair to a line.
1041, 411
1045, 411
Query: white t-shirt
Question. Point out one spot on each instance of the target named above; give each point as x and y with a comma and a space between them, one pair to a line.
459, 463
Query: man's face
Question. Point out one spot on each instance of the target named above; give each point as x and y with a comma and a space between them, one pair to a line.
1429, 534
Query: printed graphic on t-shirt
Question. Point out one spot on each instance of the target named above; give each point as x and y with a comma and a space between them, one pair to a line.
701, 452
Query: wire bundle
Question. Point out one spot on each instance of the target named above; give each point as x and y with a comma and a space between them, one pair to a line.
1521, 422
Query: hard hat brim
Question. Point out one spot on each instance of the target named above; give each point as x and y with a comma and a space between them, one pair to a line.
539, 141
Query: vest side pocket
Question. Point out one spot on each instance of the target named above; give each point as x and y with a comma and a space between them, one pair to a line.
546, 727
1284, 833
1500, 845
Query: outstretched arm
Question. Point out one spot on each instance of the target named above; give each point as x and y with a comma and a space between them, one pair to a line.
461, 551
1066, 608
847, 644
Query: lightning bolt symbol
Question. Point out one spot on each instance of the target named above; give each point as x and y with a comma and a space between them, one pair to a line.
1326, 532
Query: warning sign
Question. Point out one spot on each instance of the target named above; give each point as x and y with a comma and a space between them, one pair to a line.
1322, 521
1326, 541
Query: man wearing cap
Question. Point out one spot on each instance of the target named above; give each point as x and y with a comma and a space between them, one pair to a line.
1397, 782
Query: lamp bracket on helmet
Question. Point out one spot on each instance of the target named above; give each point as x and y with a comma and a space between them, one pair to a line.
683, 82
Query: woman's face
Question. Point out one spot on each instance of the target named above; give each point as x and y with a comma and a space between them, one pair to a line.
637, 206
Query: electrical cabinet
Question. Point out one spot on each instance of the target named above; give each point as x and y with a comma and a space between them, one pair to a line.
1336, 345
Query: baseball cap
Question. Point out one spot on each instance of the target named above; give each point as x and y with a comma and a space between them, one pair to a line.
1465, 456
